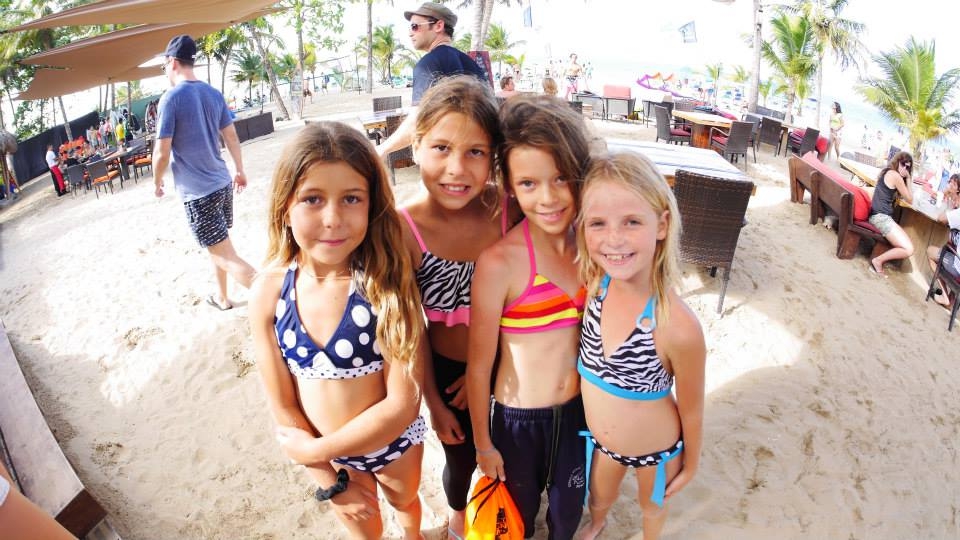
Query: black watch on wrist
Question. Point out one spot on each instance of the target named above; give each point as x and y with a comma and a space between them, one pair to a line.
326, 494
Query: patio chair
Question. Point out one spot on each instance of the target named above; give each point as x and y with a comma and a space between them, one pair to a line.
99, 176
948, 275
806, 144
401, 158
771, 132
712, 212
666, 130
754, 119
75, 177
733, 142
388, 103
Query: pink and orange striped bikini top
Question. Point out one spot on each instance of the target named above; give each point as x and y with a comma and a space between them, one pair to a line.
543, 305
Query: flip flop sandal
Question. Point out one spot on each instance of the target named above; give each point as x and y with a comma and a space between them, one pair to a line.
213, 302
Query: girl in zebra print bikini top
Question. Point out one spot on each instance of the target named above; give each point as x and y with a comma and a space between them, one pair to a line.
628, 237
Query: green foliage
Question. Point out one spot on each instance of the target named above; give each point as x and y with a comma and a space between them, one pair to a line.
499, 44
912, 95
791, 54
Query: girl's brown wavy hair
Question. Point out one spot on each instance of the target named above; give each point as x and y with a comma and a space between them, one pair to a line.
387, 282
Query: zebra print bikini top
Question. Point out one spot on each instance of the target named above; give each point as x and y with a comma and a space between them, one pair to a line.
444, 284
634, 370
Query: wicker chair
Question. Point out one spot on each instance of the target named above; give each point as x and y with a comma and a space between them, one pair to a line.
75, 177
949, 276
771, 132
732, 142
666, 130
99, 176
807, 144
712, 212
388, 103
401, 158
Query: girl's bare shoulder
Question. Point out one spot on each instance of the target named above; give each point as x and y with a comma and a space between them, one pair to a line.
683, 328
265, 289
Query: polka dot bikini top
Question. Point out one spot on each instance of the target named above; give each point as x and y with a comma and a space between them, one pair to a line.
352, 350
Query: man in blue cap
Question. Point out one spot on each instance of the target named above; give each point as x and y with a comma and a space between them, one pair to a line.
192, 117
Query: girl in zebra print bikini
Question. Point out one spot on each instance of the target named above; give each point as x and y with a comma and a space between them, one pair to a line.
628, 238
458, 215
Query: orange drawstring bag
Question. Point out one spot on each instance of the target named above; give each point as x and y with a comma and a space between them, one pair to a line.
491, 513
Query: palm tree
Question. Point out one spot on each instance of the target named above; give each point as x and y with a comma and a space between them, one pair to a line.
260, 30
463, 42
764, 89
249, 70
912, 95
791, 54
831, 33
713, 71
384, 47
499, 44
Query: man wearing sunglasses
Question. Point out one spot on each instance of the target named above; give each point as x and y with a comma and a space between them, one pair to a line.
431, 30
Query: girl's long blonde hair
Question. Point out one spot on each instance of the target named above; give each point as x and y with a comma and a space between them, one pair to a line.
387, 282
638, 174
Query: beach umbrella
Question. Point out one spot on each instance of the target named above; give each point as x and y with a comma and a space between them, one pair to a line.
147, 12
111, 57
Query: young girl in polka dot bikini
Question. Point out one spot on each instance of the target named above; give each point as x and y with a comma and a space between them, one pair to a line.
337, 328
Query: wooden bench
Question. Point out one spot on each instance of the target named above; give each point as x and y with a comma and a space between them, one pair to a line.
829, 190
34, 459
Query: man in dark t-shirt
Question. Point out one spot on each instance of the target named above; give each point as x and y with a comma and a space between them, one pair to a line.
431, 30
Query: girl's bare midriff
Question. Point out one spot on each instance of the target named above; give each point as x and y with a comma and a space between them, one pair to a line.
538, 370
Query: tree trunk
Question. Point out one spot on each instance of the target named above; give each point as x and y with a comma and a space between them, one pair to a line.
754, 91
270, 74
476, 42
66, 123
223, 70
487, 14
298, 23
819, 87
791, 97
369, 46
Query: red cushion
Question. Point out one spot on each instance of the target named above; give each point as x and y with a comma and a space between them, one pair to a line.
679, 132
822, 145
861, 200
721, 139
728, 116
797, 133
869, 226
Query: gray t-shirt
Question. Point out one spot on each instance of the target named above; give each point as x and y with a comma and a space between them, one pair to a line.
192, 113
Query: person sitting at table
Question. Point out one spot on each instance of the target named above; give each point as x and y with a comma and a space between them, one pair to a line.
71, 158
951, 217
507, 87
893, 182
550, 86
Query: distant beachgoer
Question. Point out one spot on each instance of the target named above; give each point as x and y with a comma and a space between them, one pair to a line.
193, 118
53, 162
337, 327
836, 125
550, 86
507, 87
572, 73
950, 216
893, 182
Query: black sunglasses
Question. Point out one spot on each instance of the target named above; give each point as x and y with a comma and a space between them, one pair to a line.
415, 27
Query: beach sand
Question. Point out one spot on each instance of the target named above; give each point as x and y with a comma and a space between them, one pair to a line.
831, 407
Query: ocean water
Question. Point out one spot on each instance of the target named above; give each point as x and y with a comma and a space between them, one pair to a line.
860, 118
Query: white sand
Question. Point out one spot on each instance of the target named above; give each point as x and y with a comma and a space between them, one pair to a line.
832, 395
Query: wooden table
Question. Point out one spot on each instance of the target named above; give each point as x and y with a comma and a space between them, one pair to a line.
378, 120
866, 173
702, 122
670, 157
918, 220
